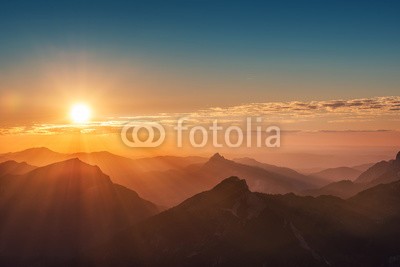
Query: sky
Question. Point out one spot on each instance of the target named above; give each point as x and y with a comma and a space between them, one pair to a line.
309, 66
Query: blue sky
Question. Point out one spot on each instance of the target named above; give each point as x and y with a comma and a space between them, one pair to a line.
254, 28
306, 65
274, 50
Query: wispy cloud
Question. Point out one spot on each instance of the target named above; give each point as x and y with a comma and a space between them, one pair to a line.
371, 112
364, 106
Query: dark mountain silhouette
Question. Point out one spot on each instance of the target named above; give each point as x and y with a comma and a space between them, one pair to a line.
231, 226
13, 167
71, 214
337, 174
380, 202
53, 212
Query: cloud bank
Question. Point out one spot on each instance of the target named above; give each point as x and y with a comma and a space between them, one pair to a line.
364, 114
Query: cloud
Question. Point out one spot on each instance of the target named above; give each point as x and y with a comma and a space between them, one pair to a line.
363, 111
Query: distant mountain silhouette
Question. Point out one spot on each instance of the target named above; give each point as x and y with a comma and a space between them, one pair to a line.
308, 171
13, 167
164, 163
282, 170
107, 161
174, 186
337, 174
383, 172
262, 178
363, 167
42, 156
131, 173
38, 156
231, 226
170, 180
51, 213
343, 189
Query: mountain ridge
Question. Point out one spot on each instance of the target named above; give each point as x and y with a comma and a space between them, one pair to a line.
235, 227
68, 206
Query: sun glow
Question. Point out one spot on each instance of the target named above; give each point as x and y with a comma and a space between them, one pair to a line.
80, 113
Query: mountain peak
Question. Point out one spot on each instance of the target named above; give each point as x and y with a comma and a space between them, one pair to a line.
71, 161
74, 165
13, 163
232, 183
9, 162
38, 150
14, 167
74, 161
216, 157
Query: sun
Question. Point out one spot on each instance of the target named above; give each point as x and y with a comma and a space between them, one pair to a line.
80, 113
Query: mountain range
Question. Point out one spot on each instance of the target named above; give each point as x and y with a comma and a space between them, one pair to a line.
337, 174
383, 172
169, 180
231, 226
71, 213
171, 187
